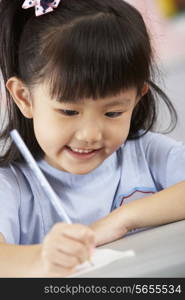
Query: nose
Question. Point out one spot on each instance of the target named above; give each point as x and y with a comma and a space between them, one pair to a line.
89, 133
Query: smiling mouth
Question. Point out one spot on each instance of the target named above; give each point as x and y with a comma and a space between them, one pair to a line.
79, 150
83, 153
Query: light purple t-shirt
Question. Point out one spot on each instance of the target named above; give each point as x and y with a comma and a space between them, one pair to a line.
140, 167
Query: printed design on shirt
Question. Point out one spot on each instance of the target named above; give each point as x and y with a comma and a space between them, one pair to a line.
136, 193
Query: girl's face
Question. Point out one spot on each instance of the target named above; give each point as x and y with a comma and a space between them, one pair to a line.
78, 137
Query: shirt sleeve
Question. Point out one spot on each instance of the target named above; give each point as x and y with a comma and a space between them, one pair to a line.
9, 206
166, 159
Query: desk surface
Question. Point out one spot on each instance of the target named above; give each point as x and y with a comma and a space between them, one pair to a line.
160, 252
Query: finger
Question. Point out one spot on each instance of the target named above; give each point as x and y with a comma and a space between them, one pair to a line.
81, 233
67, 246
61, 247
76, 231
64, 260
73, 248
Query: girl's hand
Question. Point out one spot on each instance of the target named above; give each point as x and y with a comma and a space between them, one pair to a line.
65, 247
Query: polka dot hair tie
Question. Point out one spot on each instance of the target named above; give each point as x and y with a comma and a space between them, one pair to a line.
41, 6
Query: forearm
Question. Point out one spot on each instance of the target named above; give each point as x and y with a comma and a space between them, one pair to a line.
19, 261
161, 208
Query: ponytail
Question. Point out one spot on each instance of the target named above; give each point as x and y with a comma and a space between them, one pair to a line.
12, 22
11, 26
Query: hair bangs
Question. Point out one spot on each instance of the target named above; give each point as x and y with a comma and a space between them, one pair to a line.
94, 58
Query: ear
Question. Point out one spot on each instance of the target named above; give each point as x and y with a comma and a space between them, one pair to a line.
145, 89
20, 95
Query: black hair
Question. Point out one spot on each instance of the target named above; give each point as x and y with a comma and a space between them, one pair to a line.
83, 49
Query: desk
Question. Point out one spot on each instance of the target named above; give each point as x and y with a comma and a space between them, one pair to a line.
160, 252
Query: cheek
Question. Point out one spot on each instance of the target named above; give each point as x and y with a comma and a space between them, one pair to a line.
50, 134
119, 131
46, 137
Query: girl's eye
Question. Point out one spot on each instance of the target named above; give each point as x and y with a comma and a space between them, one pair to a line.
68, 112
113, 114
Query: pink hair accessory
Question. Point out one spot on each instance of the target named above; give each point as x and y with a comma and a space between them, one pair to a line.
41, 6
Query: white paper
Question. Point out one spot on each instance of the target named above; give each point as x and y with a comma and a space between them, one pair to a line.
100, 258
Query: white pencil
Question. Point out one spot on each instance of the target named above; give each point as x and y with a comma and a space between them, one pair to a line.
39, 174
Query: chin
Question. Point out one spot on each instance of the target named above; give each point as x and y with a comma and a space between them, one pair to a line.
79, 172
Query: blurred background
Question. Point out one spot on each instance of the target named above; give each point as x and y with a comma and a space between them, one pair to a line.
165, 20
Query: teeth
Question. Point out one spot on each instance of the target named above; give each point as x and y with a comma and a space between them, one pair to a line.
81, 151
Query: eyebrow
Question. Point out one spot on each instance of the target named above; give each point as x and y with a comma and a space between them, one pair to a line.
123, 102
118, 102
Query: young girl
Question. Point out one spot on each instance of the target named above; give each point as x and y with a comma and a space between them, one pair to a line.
80, 92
